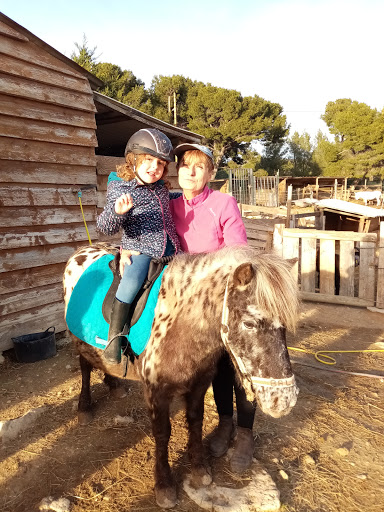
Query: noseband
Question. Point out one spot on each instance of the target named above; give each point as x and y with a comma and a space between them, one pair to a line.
256, 381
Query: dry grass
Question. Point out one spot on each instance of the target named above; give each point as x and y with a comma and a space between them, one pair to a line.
331, 446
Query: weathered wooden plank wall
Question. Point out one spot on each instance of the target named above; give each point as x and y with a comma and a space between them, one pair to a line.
47, 152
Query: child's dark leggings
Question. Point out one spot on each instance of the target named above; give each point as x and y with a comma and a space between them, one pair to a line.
223, 385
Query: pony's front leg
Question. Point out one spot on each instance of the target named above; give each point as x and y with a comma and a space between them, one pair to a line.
200, 470
84, 408
165, 486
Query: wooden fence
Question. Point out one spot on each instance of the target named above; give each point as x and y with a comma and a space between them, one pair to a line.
339, 267
260, 233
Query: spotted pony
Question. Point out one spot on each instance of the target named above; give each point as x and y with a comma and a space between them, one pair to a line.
235, 299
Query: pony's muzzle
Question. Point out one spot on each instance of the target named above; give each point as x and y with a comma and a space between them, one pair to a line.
277, 401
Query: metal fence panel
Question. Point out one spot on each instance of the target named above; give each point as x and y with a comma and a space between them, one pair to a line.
249, 189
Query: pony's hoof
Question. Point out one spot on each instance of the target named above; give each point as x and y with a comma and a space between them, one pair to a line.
201, 477
166, 497
84, 418
118, 393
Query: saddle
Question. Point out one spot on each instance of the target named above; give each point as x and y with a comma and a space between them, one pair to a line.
156, 266
89, 307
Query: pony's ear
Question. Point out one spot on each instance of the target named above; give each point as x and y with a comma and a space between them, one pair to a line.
243, 275
292, 261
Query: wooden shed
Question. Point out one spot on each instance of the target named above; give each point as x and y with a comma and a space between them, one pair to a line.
345, 216
51, 120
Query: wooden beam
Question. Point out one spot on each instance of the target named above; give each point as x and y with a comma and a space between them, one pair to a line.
33, 53
291, 250
367, 271
327, 267
335, 299
107, 164
330, 235
46, 235
289, 206
27, 299
11, 217
347, 268
15, 171
380, 270
29, 129
44, 195
17, 259
29, 278
32, 71
308, 264
23, 88
38, 151
29, 109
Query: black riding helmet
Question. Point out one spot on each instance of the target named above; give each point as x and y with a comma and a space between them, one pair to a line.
152, 142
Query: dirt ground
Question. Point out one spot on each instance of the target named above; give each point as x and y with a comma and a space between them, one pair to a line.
326, 456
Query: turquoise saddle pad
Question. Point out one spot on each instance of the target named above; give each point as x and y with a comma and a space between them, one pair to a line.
84, 316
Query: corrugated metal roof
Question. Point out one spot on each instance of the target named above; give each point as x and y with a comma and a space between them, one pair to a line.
347, 207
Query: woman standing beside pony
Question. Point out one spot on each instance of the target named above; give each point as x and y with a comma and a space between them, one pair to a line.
205, 221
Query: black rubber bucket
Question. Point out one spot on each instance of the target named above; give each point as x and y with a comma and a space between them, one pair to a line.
35, 347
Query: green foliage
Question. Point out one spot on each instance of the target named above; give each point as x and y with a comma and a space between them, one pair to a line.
163, 91
274, 158
118, 83
85, 56
222, 174
359, 135
230, 122
227, 120
122, 85
260, 172
301, 150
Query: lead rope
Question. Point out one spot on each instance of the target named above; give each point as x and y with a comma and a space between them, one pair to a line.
261, 381
79, 194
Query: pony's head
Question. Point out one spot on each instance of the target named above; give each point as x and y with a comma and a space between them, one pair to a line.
261, 303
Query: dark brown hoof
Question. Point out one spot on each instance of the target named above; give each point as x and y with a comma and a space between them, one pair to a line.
166, 497
118, 393
201, 477
84, 418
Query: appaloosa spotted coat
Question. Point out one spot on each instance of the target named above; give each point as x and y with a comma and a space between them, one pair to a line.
234, 299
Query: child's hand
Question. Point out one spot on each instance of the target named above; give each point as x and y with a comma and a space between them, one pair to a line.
123, 204
125, 259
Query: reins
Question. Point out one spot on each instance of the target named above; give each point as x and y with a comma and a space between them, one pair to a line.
256, 381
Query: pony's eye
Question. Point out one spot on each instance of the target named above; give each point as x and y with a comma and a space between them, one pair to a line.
249, 325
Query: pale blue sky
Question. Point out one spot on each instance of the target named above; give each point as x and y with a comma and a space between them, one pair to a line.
300, 54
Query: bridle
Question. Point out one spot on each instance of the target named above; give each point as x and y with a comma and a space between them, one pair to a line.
255, 381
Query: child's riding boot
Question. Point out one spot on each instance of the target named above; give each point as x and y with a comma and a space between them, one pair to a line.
241, 459
222, 437
119, 315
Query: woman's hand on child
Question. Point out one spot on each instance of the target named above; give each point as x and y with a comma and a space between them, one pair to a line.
123, 204
125, 259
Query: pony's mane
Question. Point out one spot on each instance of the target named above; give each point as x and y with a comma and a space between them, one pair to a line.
275, 290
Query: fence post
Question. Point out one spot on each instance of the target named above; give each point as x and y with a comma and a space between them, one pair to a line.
380, 270
230, 191
289, 205
277, 180
277, 242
